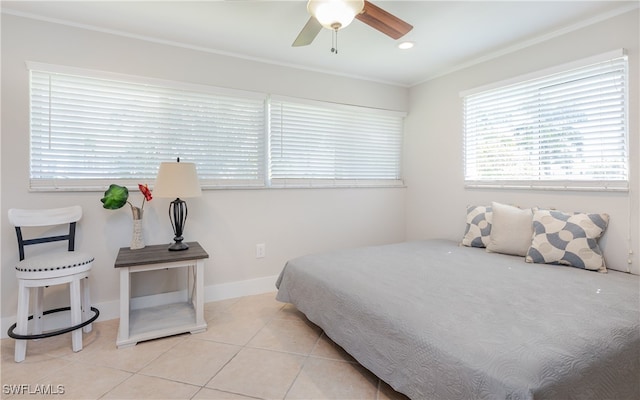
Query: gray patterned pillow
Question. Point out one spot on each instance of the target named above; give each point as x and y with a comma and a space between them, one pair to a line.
478, 226
568, 239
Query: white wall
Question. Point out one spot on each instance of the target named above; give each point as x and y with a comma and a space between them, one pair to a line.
228, 223
436, 197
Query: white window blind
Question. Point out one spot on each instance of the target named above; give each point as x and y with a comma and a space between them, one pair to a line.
87, 132
565, 130
329, 144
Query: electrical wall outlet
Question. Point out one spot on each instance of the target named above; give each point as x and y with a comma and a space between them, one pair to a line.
261, 250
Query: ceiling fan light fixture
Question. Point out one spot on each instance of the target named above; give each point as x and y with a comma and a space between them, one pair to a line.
335, 14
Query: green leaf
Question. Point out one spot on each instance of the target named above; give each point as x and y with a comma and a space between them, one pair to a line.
115, 197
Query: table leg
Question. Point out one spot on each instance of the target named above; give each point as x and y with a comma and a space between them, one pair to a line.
199, 295
125, 289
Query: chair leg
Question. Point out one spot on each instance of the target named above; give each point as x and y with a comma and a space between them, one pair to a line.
38, 300
22, 321
86, 304
76, 313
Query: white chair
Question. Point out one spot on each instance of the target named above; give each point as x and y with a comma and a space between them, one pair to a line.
48, 269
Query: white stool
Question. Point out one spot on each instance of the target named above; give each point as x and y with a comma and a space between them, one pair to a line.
48, 269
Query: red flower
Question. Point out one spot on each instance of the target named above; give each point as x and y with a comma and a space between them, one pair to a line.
145, 191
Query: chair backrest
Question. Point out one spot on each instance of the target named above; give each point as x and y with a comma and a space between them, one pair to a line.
45, 217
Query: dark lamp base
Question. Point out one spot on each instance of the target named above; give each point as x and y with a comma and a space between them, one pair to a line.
177, 246
178, 216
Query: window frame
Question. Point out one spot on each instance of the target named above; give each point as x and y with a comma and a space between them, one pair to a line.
553, 184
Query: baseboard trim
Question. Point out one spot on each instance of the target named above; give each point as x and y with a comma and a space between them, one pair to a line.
111, 309
240, 288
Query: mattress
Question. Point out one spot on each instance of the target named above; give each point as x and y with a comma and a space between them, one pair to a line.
436, 320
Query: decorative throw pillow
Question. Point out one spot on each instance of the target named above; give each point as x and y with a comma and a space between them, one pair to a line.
478, 226
511, 230
568, 239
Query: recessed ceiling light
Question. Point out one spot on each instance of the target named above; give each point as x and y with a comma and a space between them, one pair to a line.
405, 45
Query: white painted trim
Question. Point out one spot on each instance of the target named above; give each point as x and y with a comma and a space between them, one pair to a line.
240, 288
193, 47
510, 49
531, 42
111, 309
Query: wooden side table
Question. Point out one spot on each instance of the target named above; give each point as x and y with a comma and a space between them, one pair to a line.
168, 319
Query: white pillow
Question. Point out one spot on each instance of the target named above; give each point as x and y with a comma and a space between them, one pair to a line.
511, 230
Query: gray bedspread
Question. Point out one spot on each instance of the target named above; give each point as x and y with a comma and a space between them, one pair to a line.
440, 321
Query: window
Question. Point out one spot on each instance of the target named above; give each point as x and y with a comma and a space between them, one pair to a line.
562, 130
319, 143
89, 129
87, 132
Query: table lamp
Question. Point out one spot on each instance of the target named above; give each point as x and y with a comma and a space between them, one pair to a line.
179, 180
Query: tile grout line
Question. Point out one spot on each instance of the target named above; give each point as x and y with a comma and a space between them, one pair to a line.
268, 313
137, 372
306, 359
242, 347
204, 386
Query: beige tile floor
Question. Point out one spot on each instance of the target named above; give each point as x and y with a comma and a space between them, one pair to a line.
254, 347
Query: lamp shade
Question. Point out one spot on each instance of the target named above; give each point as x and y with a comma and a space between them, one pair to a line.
335, 14
177, 180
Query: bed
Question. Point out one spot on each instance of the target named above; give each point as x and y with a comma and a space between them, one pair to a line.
437, 320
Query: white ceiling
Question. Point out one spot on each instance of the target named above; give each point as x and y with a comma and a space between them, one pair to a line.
447, 34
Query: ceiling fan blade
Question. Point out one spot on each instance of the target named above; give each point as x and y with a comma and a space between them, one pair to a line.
308, 33
383, 21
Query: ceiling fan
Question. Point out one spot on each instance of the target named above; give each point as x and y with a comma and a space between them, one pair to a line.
337, 14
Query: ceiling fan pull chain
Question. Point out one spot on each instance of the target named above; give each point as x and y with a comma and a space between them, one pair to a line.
334, 41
